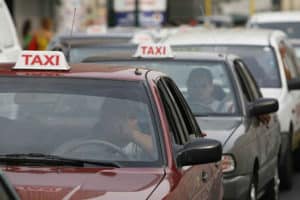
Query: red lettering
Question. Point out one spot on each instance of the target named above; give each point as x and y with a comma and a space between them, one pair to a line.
57, 60
49, 60
144, 50
36, 60
26, 58
164, 50
158, 50
150, 51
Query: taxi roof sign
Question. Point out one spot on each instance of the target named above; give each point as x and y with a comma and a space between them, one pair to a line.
154, 51
42, 60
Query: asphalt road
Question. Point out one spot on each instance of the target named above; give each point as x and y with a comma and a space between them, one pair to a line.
293, 194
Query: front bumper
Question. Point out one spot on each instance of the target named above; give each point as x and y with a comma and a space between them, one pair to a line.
236, 187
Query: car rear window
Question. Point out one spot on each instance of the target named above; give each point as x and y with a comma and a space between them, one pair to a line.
260, 60
77, 118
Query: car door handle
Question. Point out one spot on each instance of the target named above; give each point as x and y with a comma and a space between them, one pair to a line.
204, 176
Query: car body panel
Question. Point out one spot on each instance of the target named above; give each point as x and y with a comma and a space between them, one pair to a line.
88, 183
219, 128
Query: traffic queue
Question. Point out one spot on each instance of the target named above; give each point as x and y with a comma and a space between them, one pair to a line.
199, 113
260, 72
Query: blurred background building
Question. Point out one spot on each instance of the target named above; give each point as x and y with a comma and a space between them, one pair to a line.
99, 14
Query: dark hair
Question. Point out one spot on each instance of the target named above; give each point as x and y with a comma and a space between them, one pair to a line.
200, 73
26, 27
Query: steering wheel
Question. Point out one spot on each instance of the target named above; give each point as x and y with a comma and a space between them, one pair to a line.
73, 145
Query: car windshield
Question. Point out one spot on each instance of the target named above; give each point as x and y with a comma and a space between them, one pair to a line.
292, 29
94, 119
260, 60
78, 54
206, 85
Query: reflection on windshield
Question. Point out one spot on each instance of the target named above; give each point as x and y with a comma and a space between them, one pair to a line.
205, 85
260, 61
94, 120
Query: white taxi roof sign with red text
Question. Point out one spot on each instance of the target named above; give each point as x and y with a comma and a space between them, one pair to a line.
42, 60
154, 51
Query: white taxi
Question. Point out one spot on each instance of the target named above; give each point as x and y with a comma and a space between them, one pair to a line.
267, 53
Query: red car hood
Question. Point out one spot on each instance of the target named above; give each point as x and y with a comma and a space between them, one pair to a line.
77, 183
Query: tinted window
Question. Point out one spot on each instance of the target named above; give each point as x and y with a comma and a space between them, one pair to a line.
260, 60
77, 118
206, 86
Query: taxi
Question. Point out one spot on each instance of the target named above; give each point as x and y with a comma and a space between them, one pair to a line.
269, 57
228, 106
87, 131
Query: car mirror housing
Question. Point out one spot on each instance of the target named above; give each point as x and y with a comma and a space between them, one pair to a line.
263, 106
200, 151
294, 84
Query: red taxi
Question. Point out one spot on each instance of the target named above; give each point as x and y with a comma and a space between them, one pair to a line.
93, 132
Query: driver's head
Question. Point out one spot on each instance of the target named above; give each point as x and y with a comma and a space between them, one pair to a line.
117, 118
200, 85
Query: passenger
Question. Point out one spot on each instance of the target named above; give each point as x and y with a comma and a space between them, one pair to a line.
201, 91
204, 96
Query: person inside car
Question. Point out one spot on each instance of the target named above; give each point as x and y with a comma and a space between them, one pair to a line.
123, 122
204, 96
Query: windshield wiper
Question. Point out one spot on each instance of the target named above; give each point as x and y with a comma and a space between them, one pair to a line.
39, 158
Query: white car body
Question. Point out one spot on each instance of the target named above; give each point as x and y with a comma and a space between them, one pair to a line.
274, 17
9, 45
289, 101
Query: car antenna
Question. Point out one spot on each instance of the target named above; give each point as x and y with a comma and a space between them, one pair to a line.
71, 34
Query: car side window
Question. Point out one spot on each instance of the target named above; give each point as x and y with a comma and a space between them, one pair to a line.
189, 121
171, 114
291, 62
286, 59
248, 96
250, 79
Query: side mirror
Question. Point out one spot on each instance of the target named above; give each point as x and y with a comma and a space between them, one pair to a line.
263, 106
294, 84
200, 151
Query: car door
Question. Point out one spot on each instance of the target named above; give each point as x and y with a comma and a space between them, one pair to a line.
196, 182
256, 126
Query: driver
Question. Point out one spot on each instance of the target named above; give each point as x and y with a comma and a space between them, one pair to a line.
201, 91
121, 121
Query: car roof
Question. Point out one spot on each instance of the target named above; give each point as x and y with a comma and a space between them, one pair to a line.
127, 55
84, 70
275, 17
239, 36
